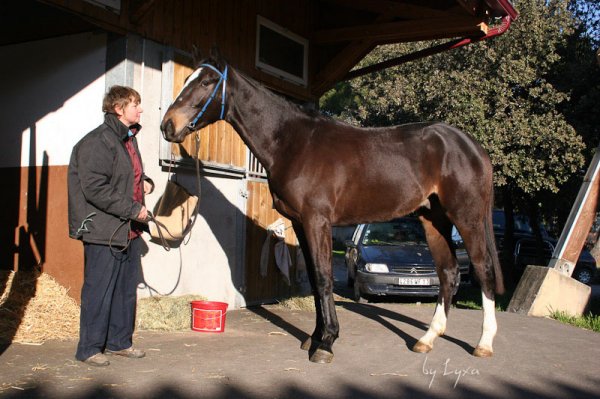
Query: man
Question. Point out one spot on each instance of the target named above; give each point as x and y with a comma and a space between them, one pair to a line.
106, 207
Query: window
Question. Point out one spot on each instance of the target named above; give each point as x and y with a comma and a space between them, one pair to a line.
280, 52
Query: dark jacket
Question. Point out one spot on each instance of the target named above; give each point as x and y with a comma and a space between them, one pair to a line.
100, 182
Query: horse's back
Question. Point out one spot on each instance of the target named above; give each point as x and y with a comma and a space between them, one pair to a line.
414, 134
450, 135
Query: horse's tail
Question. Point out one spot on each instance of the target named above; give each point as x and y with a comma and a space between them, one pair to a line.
490, 243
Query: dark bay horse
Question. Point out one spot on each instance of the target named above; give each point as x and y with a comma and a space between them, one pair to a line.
324, 172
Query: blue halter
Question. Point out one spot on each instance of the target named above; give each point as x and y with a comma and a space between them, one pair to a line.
222, 81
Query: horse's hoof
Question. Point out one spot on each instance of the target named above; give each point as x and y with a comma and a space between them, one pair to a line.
482, 352
306, 344
321, 356
420, 347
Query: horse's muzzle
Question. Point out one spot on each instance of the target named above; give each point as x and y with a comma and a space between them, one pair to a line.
169, 133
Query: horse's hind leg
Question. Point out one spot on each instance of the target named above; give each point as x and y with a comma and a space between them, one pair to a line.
438, 232
317, 238
474, 237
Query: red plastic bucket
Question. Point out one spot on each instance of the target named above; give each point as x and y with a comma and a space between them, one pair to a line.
208, 316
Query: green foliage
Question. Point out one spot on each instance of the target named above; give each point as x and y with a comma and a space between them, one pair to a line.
590, 320
587, 321
521, 95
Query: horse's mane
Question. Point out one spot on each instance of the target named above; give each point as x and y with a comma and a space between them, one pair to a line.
304, 108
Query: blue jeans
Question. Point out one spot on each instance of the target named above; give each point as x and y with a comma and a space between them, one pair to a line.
108, 298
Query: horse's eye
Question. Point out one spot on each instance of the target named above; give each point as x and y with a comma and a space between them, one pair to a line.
204, 83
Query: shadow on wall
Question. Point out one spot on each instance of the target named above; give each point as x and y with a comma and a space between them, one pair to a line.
33, 94
30, 250
231, 227
35, 91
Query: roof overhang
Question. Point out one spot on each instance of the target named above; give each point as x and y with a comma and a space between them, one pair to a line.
461, 21
340, 32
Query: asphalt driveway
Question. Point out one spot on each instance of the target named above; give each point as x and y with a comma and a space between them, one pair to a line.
259, 356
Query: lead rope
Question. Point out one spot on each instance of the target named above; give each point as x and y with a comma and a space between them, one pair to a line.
110, 240
160, 226
188, 230
197, 208
223, 83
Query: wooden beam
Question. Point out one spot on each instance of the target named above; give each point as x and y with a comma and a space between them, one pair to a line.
98, 16
402, 59
138, 9
392, 8
473, 7
343, 61
339, 66
403, 31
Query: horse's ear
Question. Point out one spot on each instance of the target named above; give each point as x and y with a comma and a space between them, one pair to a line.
196, 55
215, 54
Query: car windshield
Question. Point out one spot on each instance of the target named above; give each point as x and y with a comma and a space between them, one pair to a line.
397, 232
521, 223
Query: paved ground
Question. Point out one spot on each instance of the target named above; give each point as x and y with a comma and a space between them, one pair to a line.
258, 356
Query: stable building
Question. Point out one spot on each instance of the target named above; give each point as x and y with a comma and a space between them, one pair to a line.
61, 56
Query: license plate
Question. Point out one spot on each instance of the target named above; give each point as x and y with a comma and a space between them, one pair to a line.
414, 281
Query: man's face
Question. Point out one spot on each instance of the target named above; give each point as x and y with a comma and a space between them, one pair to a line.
131, 113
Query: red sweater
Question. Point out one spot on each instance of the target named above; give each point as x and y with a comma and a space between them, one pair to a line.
138, 188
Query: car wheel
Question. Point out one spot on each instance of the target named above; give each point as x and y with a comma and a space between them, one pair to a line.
584, 276
356, 294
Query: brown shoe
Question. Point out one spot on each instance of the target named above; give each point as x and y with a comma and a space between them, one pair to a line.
98, 360
129, 352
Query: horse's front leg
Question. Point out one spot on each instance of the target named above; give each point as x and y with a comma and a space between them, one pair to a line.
317, 232
310, 267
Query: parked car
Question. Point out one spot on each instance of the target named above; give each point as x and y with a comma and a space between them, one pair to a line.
526, 251
526, 254
393, 258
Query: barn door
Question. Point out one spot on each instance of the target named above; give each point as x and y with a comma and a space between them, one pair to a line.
260, 214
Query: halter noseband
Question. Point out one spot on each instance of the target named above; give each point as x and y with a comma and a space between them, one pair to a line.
222, 81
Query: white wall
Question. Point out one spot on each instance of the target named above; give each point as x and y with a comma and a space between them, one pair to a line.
52, 94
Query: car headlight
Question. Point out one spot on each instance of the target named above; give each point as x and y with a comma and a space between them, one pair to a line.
377, 268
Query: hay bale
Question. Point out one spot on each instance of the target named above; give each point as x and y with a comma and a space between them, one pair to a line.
34, 308
298, 303
166, 313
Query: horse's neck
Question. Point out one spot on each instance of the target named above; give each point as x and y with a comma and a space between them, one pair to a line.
258, 117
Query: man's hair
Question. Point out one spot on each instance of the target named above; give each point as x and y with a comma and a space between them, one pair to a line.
119, 96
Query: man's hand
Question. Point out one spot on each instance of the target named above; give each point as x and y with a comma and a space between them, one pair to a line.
143, 215
147, 187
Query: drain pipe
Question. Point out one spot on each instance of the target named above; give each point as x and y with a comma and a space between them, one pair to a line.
497, 31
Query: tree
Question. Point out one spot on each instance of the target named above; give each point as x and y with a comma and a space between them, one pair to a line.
496, 90
520, 95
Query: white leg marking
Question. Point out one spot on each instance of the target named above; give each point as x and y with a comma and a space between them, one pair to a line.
489, 323
437, 326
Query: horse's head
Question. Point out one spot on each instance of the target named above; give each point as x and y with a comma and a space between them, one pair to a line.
200, 102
